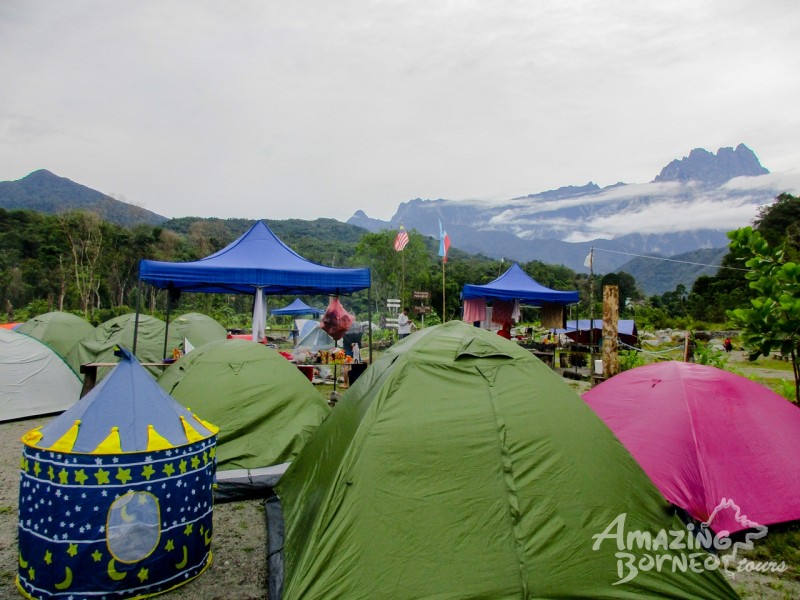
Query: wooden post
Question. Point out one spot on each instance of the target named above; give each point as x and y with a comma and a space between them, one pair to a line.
610, 330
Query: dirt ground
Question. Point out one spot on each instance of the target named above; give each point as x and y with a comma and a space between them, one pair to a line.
238, 569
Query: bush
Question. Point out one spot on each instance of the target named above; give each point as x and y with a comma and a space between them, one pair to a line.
630, 359
707, 355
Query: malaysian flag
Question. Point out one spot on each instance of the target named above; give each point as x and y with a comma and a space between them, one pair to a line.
401, 240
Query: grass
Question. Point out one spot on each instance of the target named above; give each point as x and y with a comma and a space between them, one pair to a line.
782, 544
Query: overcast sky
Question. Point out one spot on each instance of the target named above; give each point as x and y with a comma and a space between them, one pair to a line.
304, 109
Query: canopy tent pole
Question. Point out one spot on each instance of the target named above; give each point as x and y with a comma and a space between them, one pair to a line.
166, 329
259, 315
136, 320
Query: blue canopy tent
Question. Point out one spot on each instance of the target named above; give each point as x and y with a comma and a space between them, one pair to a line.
297, 308
257, 263
516, 284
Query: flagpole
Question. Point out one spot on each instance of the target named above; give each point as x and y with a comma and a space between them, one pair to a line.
591, 314
403, 281
444, 315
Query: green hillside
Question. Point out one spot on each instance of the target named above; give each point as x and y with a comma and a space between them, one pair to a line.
659, 274
45, 192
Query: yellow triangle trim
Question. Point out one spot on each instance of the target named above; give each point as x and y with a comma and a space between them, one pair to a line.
67, 441
155, 441
191, 433
33, 436
212, 428
110, 445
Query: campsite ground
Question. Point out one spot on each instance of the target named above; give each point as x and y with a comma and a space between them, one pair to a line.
238, 569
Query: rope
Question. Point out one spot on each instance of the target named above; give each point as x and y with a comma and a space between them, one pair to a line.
685, 262
655, 352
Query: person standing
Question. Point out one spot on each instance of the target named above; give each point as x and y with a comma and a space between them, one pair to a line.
403, 324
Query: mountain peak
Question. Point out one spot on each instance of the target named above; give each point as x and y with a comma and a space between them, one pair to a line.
707, 167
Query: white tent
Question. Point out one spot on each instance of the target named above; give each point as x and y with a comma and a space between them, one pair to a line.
34, 380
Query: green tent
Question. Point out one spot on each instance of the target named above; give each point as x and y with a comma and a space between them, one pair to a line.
264, 406
460, 466
198, 328
59, 330
99, 345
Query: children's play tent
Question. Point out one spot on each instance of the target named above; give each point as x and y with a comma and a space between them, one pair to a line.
34, 380
264, 406
460, 466
709, 439
115, 494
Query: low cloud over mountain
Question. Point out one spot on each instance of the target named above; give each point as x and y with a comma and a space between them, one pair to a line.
690, 205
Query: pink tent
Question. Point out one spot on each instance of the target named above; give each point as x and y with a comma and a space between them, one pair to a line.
709, 439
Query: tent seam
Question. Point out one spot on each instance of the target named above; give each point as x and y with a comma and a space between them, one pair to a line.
511, 490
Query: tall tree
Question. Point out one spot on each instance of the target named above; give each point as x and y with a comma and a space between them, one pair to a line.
773, 320
85, 236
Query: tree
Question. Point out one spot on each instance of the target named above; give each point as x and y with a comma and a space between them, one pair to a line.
773, 320
84, 233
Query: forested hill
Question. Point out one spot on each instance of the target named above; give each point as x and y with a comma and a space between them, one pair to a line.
46, 192
656, 276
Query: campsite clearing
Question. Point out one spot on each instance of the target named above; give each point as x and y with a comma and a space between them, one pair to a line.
238, 568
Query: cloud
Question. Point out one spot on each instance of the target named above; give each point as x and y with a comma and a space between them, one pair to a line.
669, 216
305, 109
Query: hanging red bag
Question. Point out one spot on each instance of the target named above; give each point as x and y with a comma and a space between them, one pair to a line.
336, 320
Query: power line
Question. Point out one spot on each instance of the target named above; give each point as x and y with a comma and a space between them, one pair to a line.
685, 262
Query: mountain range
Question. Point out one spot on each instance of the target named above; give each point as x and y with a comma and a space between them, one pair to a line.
688, 206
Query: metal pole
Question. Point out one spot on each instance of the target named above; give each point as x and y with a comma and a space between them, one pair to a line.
136, 320
591, 312
369, 319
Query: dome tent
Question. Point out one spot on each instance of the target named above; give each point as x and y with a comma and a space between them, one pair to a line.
115, 494
34, 380
708, 438
100, 345
460, 466
264, 406
59, 330
198, 328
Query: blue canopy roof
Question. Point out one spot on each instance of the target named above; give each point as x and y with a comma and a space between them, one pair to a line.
298, 307
257, 259
515, 284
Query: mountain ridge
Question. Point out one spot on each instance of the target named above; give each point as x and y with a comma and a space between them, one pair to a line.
699, 193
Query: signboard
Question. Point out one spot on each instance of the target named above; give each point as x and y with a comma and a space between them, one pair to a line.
393, 303
422, 295
422, 310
